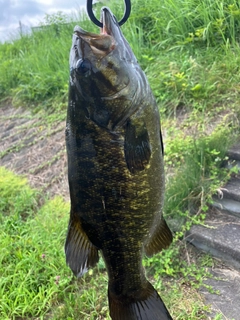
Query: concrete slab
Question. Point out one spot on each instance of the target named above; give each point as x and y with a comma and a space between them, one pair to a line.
232, 189
234, 153
230, 206
227, 301
232, 163
221, 238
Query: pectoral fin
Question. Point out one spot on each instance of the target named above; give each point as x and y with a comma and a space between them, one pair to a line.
136, 147
81, 254
161, 239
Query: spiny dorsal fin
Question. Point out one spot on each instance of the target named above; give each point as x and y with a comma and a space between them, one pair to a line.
81, 254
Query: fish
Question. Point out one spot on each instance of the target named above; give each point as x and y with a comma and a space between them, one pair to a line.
115, 170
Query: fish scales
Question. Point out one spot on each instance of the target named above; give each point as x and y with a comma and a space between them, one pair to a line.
115, 170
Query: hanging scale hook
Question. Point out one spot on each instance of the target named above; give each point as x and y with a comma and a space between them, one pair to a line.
98, 23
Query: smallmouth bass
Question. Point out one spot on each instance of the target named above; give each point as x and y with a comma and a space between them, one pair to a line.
115, 170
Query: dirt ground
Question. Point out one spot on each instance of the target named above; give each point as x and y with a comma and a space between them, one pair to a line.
31, 147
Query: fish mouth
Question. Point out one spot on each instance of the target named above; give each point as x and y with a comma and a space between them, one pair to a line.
109, 21
103, 43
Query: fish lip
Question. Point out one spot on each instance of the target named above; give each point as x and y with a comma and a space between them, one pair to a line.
103, 43
108, 20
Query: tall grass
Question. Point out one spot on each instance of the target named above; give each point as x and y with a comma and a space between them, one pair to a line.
178, 22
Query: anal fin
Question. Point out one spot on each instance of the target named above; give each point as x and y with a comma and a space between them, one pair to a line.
81, 254
161, 239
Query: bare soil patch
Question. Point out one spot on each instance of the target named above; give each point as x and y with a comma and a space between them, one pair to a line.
33, 148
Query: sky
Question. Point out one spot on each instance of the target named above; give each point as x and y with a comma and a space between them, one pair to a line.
30, 13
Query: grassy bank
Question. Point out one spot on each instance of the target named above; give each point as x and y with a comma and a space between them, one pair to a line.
189, 50
190, 53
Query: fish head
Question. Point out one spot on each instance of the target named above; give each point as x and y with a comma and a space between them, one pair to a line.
103, 69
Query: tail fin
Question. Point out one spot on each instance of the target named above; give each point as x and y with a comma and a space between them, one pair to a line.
146, 304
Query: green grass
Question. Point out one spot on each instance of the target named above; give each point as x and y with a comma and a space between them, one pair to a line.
31, 249
179, 22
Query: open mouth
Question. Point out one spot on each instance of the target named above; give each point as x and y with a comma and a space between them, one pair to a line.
104, 42
108, 20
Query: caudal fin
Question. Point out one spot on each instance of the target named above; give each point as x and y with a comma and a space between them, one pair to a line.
146, 304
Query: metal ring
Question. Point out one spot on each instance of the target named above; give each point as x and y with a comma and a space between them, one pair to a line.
98, 23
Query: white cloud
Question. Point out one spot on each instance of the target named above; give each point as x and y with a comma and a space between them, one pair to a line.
31, 12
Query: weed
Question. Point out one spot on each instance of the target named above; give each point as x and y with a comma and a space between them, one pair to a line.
17, 198
32, 261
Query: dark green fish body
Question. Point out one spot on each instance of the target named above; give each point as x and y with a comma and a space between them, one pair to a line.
115, 170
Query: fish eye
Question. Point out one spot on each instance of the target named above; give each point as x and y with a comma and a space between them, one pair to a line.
83, 66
